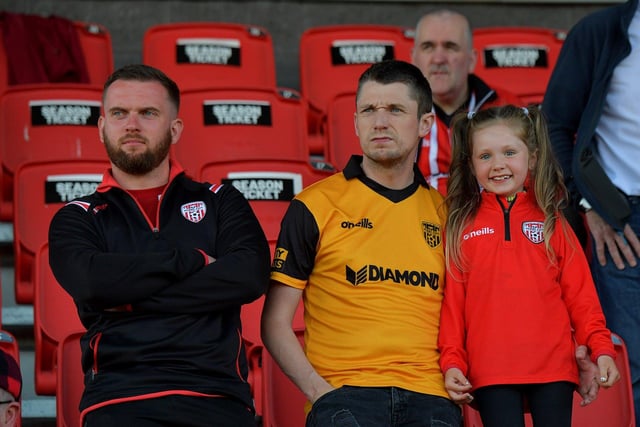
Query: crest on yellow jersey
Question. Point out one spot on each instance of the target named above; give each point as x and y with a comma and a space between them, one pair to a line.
432, 234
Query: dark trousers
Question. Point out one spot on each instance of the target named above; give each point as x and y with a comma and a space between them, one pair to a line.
382, 407
504, 405
173, 411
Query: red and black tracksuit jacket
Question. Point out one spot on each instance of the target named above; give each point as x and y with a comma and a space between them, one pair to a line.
159, 319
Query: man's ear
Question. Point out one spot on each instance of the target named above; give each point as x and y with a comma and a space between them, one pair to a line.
426, 121
100, 128
355, 123
11, 415
474, 60
176, 130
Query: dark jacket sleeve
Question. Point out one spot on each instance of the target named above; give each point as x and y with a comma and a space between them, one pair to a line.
574, 101
567, 95
240, 273
100, 279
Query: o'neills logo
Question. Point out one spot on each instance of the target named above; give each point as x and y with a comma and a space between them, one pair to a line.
431, 233
379, 273
194, 211
533, 230
363, 223
476, 233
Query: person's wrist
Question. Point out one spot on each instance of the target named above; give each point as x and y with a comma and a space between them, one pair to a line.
584, 205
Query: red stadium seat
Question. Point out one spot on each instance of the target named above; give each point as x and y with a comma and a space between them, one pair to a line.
241, 124
70, 381
283, 400
250, 315
46, 122
203, 55
96, 46
518, 59
342, 140
95, 42
333, 57
269, 185
54, 317
40, 190
612, 408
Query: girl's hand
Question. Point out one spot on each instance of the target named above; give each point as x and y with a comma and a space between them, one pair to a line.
609, 374
457, 386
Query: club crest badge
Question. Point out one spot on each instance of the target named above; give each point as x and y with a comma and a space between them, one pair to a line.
431, 233
194, 211
533, 231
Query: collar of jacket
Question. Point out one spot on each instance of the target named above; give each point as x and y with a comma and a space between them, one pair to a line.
109, 182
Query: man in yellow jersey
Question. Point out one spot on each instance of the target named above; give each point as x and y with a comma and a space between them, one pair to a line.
364, 250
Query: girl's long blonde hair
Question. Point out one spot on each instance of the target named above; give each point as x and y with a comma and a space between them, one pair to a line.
463, 191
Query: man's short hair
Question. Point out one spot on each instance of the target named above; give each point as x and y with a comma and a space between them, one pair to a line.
10, 375
145, 73
394, 71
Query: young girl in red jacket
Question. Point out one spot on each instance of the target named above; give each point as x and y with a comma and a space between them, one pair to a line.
519, 292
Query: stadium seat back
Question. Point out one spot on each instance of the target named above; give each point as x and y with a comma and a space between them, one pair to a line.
55, 316
614, 406
95, 41
332, 58
518, 59
70, 381
268, 185
46, 122
342, 140
244, 124
251, 317
283, 401
40, 190
212, 55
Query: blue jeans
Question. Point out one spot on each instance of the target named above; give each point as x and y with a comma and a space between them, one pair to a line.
382, 407
619, 292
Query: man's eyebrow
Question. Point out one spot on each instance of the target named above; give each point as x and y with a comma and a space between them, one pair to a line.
386, 105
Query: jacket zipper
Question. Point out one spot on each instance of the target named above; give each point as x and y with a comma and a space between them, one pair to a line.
506, 217
93, 345
154, 228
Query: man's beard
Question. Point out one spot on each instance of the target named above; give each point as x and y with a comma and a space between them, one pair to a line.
138, 163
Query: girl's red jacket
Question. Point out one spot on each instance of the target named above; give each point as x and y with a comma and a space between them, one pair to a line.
513, 316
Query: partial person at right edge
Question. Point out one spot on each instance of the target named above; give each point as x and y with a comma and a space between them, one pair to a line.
592, 108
